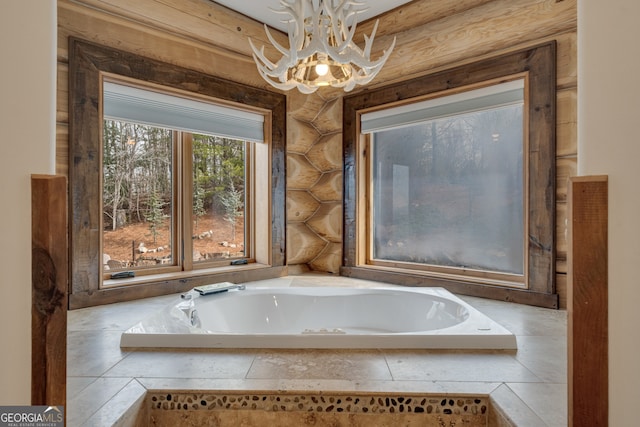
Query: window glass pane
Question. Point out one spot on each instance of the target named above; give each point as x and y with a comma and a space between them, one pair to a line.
137, 195
218, 198
449, 192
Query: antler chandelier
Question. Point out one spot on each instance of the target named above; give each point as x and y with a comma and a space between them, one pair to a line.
321, 48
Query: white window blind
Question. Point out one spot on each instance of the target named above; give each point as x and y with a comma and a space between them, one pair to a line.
495, 96
127, 103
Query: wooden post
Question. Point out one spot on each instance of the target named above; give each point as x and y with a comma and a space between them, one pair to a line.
49, 274
587, 302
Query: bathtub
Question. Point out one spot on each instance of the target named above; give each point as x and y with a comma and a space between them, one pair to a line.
320, 317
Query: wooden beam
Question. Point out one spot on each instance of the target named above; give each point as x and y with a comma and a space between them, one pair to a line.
49, 274
587, 302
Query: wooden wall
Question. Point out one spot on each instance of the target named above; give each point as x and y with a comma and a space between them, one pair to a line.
431, 36
196, 34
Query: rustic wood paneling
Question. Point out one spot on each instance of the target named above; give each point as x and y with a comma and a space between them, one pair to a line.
567, 122
202, 21
49, 276
62, 88
62, 149
562, 245
566, 167
567, 59
417, 13
75, 20
587, 299
561, 286
492, 27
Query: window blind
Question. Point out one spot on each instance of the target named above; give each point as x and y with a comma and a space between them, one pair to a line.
127, 103
495, 96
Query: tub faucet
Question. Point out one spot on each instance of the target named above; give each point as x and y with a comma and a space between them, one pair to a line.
218, 287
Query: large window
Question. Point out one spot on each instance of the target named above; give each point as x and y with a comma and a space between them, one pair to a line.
174, 175
450, 179
447, 184
174, 197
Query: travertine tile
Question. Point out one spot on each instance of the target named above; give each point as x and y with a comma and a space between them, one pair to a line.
198, 384
450, 366
325, 364
176, 364
121, 409
91, 354
550, 368
517, 412
428, 387
82, 406
548, 401
115, 317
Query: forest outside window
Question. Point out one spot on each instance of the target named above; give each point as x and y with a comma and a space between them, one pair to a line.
178, 181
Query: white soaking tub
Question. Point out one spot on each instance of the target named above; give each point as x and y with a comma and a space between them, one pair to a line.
320, 317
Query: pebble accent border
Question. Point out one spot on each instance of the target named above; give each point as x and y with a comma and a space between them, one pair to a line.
324, 403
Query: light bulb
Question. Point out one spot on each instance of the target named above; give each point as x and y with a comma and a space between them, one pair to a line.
322, 69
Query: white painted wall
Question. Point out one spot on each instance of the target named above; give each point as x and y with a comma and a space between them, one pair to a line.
609, 143
27, 145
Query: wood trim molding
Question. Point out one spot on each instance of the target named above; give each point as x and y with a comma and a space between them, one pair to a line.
588, 302
88, 62
539, 63
49, 277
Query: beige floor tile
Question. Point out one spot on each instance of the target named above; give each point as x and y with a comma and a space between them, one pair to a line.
546, 357
82, 406
301, 385
325, 364
448, 366
548, 401
121, 409
183, 364
92, 353
116, 317
518, 412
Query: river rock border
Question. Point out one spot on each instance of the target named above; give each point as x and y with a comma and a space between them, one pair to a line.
323, 403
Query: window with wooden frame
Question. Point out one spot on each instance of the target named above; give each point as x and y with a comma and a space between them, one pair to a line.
450, 179
179, 181
170, 170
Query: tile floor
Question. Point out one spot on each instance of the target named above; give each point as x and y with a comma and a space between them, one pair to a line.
529, 384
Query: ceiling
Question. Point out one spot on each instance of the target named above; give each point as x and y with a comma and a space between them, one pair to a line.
260, 10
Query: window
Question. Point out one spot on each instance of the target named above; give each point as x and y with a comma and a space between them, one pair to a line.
175, 198
190, 147
450, 179
447, 184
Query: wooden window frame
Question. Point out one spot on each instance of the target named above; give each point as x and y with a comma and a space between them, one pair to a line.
538, 64
88, 64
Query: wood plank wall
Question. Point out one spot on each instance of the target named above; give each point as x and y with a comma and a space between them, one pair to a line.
441, 34
431, 36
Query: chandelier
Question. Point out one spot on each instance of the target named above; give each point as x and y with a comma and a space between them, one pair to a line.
321, 48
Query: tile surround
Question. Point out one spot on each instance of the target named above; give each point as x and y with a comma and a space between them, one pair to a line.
529, 385
315, 409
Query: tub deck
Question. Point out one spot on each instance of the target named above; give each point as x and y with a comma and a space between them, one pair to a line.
106, 385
